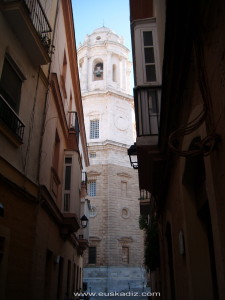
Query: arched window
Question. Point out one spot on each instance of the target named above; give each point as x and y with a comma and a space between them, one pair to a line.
98, 70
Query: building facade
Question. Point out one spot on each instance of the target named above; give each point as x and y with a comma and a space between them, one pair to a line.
114, 261
43, 153
181, 153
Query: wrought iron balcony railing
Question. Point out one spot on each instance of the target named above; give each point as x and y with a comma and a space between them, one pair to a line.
39, 20
10, 119
147, 110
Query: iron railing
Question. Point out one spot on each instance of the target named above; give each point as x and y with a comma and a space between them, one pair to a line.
39, 20
147, 103
9, 118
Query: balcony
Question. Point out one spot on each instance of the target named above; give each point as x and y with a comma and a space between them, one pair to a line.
147, 111
144, 199
70, 224
147, 102
11, 122
29, 23
82, 243
74, 131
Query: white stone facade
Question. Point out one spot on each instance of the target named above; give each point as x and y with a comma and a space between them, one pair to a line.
108, 112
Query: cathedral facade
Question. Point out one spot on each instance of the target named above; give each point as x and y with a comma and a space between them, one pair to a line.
114, 261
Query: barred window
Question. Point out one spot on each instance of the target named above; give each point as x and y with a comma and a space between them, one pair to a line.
125, 255
92, 188
94, 129
92, 154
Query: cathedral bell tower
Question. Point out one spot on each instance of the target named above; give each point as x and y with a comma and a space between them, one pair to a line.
113, 261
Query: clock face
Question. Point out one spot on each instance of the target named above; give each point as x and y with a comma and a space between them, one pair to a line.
121, 122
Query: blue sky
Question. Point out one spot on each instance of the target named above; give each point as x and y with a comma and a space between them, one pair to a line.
92, 14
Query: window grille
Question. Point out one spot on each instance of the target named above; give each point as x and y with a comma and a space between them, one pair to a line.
92, 154
94, 129
125, 255
92, 188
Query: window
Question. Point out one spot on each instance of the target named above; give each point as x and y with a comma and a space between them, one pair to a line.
92, 255
67, 184
11, 83
148, 111
93, 211
146, 54
149, 59
92, 188
92, 154
125, 255
55, 161
98, 70
94, 129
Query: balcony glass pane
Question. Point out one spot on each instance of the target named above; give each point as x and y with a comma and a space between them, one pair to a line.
149, 55
147, 110
150, 73
67, 177
148, 40
66, 202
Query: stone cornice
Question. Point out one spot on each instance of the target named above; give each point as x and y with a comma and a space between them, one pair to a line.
107, 93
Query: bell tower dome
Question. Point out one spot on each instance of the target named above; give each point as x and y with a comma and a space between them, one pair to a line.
103, 62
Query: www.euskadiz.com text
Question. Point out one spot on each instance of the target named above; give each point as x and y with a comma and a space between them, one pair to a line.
116, 294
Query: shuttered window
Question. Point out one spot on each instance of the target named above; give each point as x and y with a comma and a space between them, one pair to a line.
11, 83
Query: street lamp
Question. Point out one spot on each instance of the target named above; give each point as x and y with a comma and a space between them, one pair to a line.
84, 221
132, 152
